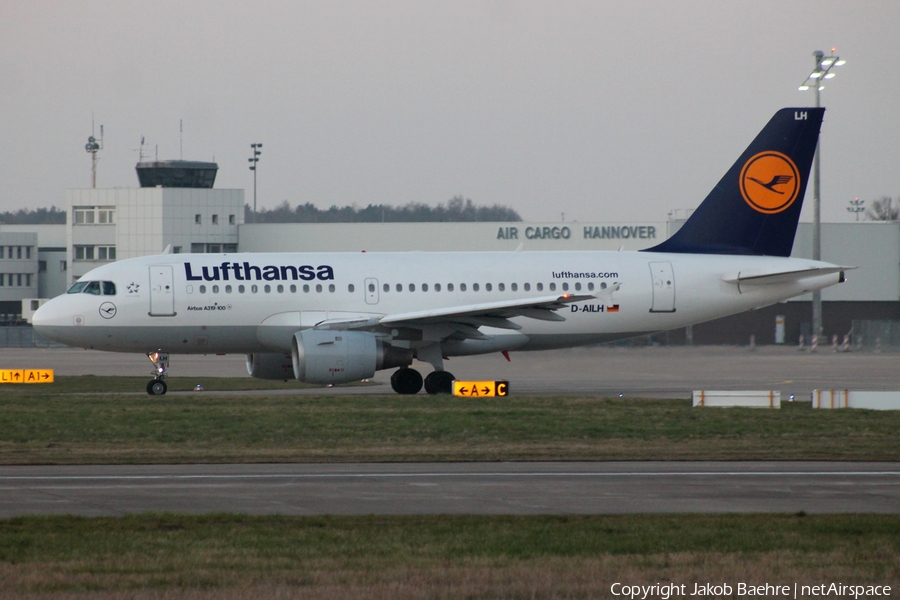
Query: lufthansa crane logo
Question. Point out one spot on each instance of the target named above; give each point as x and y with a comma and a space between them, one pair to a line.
107, 310
770, 182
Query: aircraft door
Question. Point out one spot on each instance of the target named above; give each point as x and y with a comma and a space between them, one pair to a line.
162, 291
371, 290
663, 287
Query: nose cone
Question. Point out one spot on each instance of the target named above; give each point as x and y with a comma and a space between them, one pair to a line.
52, 319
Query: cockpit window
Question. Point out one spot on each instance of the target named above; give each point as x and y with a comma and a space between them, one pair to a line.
107, 288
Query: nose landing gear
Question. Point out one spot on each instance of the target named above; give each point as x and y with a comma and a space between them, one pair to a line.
157, 386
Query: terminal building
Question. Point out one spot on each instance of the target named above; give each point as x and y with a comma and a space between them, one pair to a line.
177, 205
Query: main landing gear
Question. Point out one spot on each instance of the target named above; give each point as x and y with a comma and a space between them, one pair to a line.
157, 386
409, 381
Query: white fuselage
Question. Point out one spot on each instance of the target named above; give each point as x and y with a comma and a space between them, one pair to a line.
245, 303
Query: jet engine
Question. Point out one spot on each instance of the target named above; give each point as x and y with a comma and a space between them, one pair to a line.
326, 356
268, 365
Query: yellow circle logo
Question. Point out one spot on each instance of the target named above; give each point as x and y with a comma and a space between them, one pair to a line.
770, 182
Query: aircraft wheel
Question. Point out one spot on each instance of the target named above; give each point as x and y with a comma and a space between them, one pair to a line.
406, 381
157, 387
439, 382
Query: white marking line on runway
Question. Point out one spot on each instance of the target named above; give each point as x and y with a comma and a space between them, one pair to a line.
535, 474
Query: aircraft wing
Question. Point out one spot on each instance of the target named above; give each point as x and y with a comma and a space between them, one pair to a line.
465, 320
756, 278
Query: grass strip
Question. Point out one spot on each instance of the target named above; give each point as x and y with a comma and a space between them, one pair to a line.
49, 427
225, 556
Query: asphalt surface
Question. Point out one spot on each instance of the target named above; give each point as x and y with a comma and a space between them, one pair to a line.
489, 488
454, 488
658, 372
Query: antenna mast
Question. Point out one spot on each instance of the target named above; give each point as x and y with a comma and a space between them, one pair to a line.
141, 150
92, 147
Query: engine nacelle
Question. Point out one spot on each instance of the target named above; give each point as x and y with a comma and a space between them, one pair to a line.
268, 365
327, 356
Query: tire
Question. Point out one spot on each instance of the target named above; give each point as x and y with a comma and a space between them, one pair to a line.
157, 387
406, 381
439, 382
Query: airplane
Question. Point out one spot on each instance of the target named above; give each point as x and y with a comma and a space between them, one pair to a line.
330, 318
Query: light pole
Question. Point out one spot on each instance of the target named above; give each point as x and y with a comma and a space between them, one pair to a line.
253, 160
816, 79
856, 206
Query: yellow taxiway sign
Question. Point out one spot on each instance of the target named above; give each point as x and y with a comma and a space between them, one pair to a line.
26, 375
480, 389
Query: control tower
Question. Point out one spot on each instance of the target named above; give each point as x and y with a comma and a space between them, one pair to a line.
177, 174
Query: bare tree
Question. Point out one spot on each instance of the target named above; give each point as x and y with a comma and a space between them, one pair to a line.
884, 209
457, 209
38, 216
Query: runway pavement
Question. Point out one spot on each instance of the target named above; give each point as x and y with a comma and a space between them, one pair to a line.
646, 371
489, 488
454, 488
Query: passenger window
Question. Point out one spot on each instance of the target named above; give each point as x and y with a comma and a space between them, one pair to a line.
591, 286
109, 288
202, 289
254, 288
515, 287
306, 289
215, 289
293, 289
462, 287
437, 287
577, 286
386, 287
502, 287
412, 287
449, 287
540, 287
319, 287
372, 287
603, 285
267, 288
189, 289
553, 286
474, 287
241, 289
424, 287
77, 287
331, 288
565, 287
351, 288
488, 287
227, 289
399, 287
280, 289
93, 287
527, 287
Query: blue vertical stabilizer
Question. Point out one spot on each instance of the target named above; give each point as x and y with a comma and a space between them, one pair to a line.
755, 207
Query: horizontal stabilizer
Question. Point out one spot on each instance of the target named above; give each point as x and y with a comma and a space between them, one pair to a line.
744, 278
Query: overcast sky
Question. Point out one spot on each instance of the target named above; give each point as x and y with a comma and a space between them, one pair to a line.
603, 110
